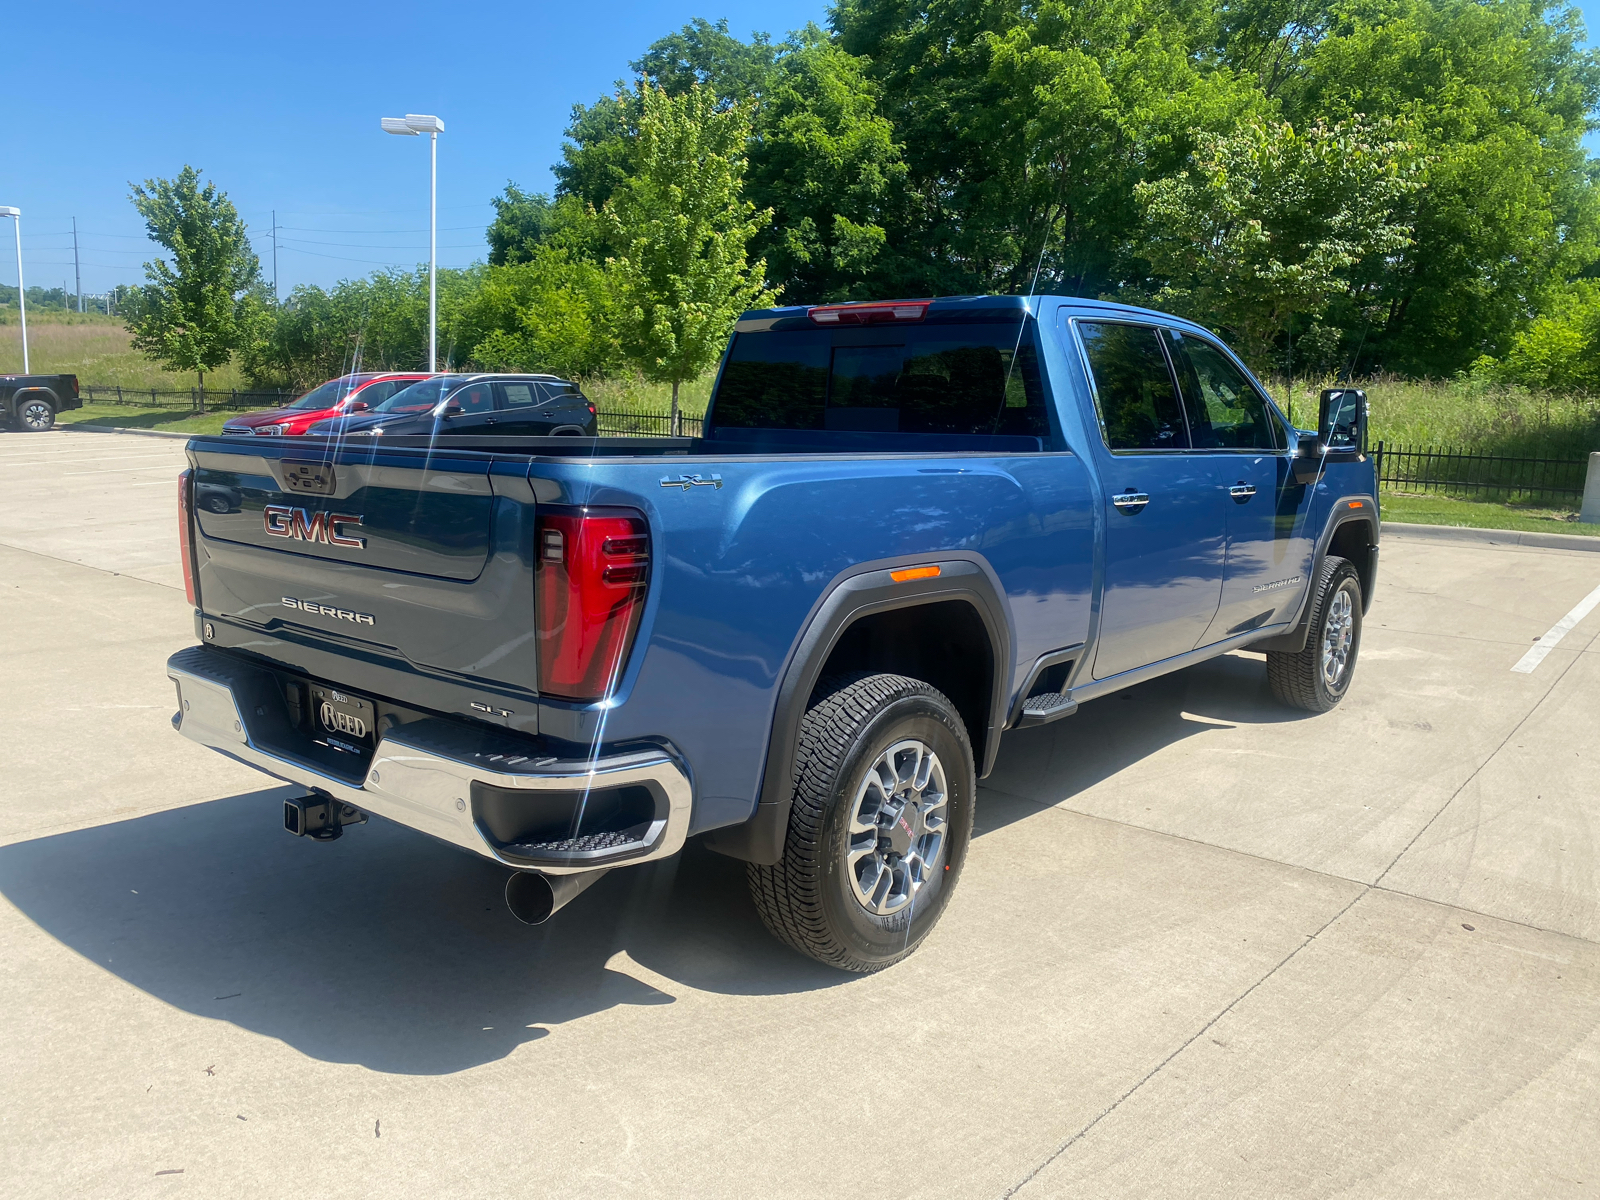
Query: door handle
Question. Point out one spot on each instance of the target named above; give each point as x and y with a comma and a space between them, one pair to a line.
1131, 501
1242, 491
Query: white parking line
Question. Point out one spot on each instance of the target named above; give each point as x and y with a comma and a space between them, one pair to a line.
1559, 630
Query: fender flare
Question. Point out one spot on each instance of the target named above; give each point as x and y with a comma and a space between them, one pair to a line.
1340, 514
861, 591
22, 393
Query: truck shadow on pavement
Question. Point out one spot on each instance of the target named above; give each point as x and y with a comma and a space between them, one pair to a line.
391, 950
1052, 763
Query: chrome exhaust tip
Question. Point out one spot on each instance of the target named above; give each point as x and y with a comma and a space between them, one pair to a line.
534, 898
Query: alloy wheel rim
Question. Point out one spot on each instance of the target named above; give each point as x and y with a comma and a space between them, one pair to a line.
36, 415
899, 818
1338, 634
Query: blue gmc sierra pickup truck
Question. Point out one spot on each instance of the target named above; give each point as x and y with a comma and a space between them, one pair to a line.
906, 528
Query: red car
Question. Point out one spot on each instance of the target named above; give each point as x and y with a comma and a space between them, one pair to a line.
336, 398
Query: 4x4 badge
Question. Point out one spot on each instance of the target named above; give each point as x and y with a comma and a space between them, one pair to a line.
688, 481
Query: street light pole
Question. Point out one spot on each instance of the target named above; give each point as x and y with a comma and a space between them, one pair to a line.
22, 293
411, 125
433, 250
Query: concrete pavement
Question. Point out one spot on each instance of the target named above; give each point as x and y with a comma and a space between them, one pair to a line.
1203, 946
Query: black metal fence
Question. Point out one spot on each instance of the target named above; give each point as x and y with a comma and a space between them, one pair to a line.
649, 425
188, 400
1492, 476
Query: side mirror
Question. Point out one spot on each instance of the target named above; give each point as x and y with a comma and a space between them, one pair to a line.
1307, 462
451, 409
1342, 421
359, 406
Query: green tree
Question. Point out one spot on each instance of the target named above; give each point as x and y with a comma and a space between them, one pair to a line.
1266, 224
1026, 127
826, 163
552, 312
1497, 97
376, 323
681, 225
202, 305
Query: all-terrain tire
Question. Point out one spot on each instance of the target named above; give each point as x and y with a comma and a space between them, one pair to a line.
1318, 677
807, 899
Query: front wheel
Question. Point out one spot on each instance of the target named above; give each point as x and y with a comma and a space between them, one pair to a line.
1318, 677
882, 814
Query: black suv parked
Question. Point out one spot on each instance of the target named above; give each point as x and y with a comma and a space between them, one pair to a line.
31, 402
476, 406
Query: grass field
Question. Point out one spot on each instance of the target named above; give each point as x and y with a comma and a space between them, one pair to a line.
95, 348
1473, 514
1467, 415
127, 417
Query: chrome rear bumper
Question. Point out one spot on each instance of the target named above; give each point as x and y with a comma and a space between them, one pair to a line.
423, 775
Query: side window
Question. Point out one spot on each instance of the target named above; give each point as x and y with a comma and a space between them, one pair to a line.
1225, 410
376, 393
518, 395
475, 398
1139, 407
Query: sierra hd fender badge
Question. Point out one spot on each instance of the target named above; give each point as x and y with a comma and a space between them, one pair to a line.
1278, 583
280, 520
328, 610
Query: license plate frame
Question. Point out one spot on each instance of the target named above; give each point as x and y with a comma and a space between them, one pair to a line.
343, 721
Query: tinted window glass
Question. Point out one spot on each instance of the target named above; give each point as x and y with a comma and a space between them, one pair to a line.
377, 393
952, 379
1225, 410
324, 395
1133, 387
474, 398
519, 395
419, 396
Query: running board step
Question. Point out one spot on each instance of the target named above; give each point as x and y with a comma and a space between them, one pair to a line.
1041, 709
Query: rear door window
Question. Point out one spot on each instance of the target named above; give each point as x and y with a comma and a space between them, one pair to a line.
936, 378
519, 395
1226, 412
1133, 388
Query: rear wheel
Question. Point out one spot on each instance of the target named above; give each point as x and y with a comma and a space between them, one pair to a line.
1318, 677
35, 414
878, 831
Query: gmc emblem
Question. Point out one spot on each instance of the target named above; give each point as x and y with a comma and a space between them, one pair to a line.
280, 520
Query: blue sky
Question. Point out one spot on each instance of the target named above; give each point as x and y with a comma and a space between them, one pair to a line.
279, 105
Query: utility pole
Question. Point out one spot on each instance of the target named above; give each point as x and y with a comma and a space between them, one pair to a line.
77, 274
275, 299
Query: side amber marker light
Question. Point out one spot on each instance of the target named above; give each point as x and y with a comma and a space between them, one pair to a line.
907, 574
1356, 503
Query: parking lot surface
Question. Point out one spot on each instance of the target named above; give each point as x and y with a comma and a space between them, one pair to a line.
1204, 946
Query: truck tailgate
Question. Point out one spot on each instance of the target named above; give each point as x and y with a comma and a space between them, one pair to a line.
420, 556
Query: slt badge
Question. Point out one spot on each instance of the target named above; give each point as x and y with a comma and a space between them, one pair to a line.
282, 521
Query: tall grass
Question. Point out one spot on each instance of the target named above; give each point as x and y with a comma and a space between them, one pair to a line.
96, 349
1465, 414
637, 396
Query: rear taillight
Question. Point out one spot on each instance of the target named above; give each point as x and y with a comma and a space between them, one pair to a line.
592, 569
186, 535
